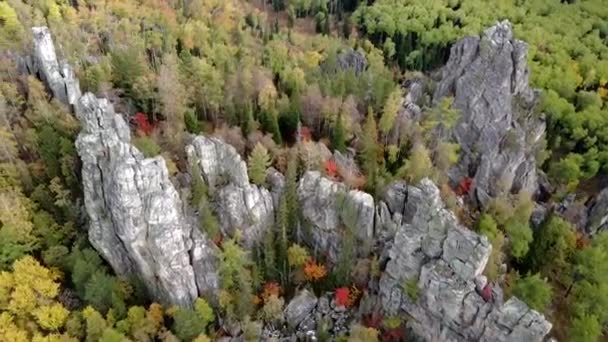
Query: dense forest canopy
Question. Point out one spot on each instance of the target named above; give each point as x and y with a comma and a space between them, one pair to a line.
271, 79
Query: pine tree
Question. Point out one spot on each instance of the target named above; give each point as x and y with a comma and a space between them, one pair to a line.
259, 161
370, 151
287, 217
338, 135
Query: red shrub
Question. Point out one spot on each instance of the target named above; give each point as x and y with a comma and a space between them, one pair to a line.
464, 187
343, 296
396, 334
142, 123
331, 169
373, 321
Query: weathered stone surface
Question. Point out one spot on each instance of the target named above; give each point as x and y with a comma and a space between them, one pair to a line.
299, 307
58, 76
276, 184
248, 209
598, 213
135, 214
136, 218
219, 162
352, 60
445, 260
327, 206
238, 204
498, 131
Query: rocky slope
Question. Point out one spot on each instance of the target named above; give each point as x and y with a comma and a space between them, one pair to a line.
498, 131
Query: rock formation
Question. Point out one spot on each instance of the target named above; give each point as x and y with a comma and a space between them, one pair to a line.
57, 76
328, 207
238, 204
598, 213
498, 130
431, 272
136, 219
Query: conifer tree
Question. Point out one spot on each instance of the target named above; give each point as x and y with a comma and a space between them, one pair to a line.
369, 153
338, 135
259, 161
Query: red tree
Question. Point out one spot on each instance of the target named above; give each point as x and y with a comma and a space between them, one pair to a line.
143, 125
343, 296
464, 187
331, 169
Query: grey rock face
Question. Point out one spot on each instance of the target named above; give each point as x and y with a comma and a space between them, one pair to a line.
58, 76
598, 213
276, 183
136, 219
498, 131
300, 307
249, 209
353, 60
327, 206
220, 163
238, 204
445, 261
135, 214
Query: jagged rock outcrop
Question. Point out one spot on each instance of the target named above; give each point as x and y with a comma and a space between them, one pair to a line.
219, 162
57, 76
498, 130
238, 204
136, 219
598, 213
327, 207
443, 259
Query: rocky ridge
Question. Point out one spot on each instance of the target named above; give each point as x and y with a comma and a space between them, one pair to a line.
136, 221
498, 130
138, 224
434, 275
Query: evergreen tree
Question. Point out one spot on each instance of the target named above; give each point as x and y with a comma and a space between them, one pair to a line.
370, 152
259, 161
338, 135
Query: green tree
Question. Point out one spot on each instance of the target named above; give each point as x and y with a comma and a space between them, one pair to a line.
338, 135
520, 237
370, 150
190, 323
259, 161
418, 165
236, 279
553, 248
389, 112
585, 328
534, 291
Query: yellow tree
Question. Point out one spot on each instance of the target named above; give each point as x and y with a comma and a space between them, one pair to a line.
28, 295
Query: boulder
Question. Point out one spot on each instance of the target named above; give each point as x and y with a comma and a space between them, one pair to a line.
327, 207
499, 131
433, 274
136, 218
299, 307
238, 204
598, 213
352, 60
249, 209
276, 184
219, 162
